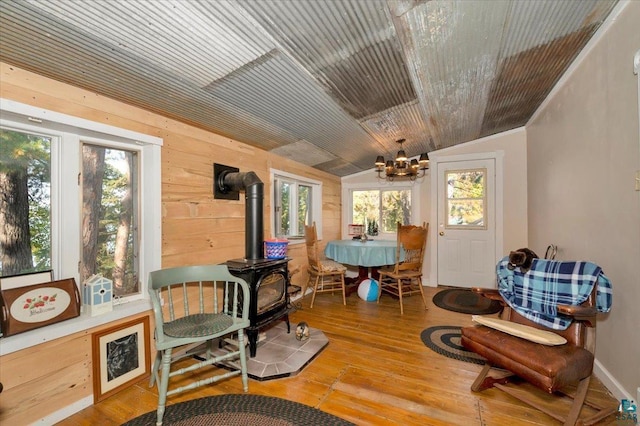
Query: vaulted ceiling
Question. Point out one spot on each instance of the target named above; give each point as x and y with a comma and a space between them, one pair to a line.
329, 83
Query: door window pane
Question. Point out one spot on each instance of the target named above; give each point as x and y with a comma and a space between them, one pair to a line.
109, 217
466, 199
25, 203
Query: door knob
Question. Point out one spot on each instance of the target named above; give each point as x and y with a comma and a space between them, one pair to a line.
441, 233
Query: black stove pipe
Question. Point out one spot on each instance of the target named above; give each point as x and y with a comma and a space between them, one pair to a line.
254, 195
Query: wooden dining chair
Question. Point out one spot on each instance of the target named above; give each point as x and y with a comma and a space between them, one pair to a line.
327, 275
405, 277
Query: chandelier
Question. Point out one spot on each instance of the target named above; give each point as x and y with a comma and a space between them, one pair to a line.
401, 167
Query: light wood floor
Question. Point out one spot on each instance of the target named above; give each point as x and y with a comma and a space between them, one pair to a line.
374, 371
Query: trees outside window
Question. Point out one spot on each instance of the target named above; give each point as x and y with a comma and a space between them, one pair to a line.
380, 210
25, 202
466, 199
78, 198
109, 216
297, 202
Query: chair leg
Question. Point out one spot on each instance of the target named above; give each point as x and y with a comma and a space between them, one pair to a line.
154, 370
315, 290
602, 410
424, 300
164, 385
344, 289
483, 381
400, 296
477, 385
243, 361
578, 401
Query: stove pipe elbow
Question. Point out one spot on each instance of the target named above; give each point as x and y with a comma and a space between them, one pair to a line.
253, 188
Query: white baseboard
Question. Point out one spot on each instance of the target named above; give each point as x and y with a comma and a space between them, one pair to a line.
65, 412
610, 382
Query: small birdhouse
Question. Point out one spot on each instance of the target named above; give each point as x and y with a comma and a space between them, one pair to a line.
98, 295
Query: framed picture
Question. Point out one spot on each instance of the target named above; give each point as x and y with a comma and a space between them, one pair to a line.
120, 357
355, 229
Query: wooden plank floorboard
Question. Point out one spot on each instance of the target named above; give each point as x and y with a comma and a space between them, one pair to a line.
374, 371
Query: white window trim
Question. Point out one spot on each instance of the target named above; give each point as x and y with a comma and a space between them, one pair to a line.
66, 235
347, 202
316, 200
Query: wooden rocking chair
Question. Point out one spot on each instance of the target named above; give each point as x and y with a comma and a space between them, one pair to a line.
551, 368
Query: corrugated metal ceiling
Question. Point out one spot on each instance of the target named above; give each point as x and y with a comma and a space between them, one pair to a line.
329, 83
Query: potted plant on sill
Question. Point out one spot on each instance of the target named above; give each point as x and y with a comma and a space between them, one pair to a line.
372, 227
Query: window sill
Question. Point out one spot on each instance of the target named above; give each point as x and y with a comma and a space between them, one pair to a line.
65, 328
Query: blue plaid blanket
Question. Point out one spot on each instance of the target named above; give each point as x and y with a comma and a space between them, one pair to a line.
548, 283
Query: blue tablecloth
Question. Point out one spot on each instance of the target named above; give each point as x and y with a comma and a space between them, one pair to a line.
369, 254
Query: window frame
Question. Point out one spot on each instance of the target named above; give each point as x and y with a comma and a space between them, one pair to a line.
348, 189
137, 205
316, 202
68, 133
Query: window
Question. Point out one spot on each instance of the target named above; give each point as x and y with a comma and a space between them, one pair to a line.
75, 193
25, 203
466, 199
110, 217
297, 202
380, 210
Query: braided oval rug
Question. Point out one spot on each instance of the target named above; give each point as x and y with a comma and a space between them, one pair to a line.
240, 410
446, 340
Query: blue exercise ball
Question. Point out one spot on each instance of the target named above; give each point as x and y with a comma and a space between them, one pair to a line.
368, 290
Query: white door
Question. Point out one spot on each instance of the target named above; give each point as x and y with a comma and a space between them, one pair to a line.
466, 231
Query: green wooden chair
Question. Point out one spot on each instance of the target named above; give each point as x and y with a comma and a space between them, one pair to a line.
194, 305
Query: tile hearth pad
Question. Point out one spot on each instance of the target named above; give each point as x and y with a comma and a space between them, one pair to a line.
280, 354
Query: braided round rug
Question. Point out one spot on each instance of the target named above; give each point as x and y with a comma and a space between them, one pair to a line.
239, 410
445, 340
465, 301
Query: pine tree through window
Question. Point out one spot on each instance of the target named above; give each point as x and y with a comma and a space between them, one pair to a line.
109, 216
25, 203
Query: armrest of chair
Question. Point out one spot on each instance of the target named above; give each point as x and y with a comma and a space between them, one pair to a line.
579, 313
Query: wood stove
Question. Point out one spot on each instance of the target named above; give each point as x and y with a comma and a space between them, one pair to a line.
268, 279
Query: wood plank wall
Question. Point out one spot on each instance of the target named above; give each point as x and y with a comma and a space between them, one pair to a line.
196, 229
45, 378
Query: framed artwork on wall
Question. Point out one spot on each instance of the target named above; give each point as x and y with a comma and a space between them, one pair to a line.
120, 357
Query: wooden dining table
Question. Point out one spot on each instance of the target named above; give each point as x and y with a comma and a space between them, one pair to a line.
366, 255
